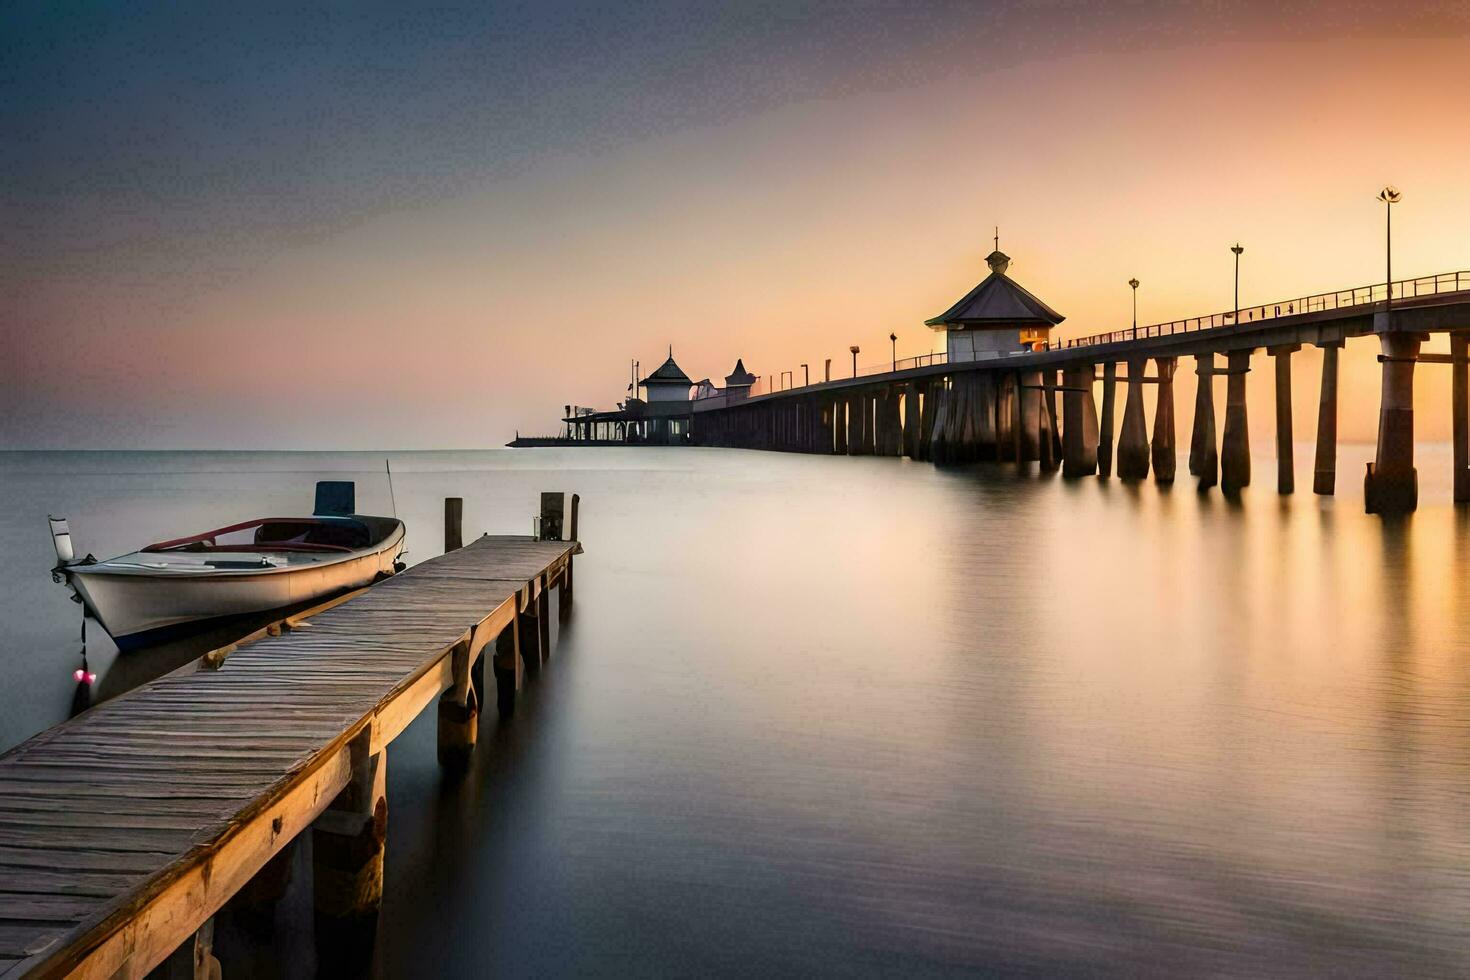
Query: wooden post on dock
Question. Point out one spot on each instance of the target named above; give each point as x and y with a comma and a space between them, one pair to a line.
347, 841
529, 630
1460, 431
1133, 449
1235, 447
453, 524
1165, 455
1391, 485
1079, 424
1324, 472
1105, 435
1204, 457
459, 708
1285, 454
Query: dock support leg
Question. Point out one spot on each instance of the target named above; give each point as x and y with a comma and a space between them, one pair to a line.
543, 621
1133, 447
1105, 436
1018, 443
1235, 448
564, 593
510, 672
1391, 485
1324, 473
1079, 427
459, 712
1165, 454
1460, 433
1204, 458
532, 653
1285, 457
347, 843
194, 960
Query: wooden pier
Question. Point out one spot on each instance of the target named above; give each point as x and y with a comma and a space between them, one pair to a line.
124, 830
1004, 408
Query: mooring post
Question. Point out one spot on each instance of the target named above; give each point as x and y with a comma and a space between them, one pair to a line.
1165, 454
1079, 427
1133, 449
453, 524
347, 841
459, 708
1460, 434
1204, 457
1285, 457
543, 620
194, 960
1324, 473
1235, 447
1105, 436
559, 523
1391, 485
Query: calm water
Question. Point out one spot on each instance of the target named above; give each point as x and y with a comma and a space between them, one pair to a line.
860, 716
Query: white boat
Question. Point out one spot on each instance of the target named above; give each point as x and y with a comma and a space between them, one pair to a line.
174, 587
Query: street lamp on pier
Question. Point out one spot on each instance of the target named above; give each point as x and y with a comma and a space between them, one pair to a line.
1134, 284
1237, 248
806, 375
893, 339
855, 349
1390, 196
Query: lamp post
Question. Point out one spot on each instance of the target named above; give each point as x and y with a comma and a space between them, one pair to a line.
806, 375
1237, 248
855, 349
1134, 284
1390, 196
893, 339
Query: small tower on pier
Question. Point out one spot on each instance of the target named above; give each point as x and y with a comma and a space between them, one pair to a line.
739, 381
668, 384
996, 318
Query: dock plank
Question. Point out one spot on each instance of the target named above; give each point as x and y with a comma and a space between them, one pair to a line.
170, 790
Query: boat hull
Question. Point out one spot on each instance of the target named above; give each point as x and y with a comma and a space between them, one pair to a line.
139, 609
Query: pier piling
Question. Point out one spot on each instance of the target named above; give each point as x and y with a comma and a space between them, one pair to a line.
1133, 448
1165, 455
1285, 456
1235, 447
1204, 457
1324, 473
1105, 436
1460, 427
1391, 485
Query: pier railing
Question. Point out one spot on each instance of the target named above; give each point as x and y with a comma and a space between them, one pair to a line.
1445, 282
1248, 316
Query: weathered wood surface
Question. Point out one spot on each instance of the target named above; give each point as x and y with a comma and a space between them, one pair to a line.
123, 830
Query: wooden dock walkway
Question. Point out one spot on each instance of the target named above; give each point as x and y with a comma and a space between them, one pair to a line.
124, 830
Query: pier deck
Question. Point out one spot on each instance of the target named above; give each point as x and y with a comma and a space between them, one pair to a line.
125, 829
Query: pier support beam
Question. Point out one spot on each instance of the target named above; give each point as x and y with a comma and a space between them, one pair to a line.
1324, 471
1164, 451
1285, 457
1047, 435
1031, 415
1133, 439
1017, 442
459, 710
194, 960
1079, 423
1460, 432
1235, 448
532, 651
1204, 458
510, 672
347, 843
1391, 485
1105, 436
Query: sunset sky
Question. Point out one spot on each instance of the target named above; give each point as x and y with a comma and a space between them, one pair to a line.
356, 228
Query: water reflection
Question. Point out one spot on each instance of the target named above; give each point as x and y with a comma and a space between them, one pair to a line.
869, 716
